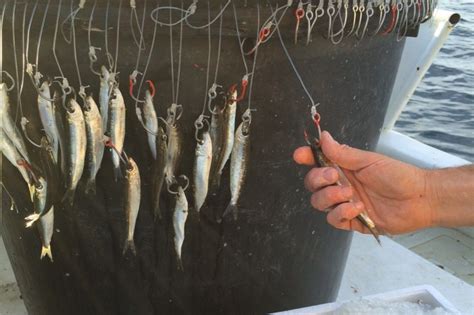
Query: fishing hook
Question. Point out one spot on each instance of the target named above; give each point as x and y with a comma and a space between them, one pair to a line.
11, 79
24, 122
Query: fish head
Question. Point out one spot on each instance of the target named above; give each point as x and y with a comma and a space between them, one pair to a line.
104, 74
44, 88
132, 169
40, 188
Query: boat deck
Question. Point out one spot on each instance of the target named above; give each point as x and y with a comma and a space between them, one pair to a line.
370, 268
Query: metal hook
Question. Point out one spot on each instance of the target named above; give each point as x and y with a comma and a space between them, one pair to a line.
11, 79
24, 122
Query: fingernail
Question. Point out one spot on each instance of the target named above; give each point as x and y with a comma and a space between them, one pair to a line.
347, 192
330, 174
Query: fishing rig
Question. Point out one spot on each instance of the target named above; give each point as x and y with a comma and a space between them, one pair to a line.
65, 94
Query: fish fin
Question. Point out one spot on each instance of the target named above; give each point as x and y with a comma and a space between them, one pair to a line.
218, 180
46, 251
180, 264
129, 245
31, 219
91, 187
231, 208
117, 174
31, 189
69, 197
157, 212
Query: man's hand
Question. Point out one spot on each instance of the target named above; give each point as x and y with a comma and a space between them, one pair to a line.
398, 198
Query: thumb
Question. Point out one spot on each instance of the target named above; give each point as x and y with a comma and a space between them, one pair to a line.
345, 156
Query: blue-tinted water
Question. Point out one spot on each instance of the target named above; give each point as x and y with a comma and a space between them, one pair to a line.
441, 112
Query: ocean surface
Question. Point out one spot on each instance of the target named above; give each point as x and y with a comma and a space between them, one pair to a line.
441, 112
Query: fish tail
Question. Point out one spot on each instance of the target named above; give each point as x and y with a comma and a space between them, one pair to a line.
69, 197
31, 219
31, 189
46, 251
91, 187
117, 174
217, 180
180, 264
129, 245
157, 211
231, 208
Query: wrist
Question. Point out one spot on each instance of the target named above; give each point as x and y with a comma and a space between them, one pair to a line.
433, 197
450, 196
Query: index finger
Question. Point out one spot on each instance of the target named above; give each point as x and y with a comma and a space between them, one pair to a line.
304, 156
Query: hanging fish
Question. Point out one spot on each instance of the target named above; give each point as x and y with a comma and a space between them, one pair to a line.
159, 170
41, 203
60, 116
173, 151
48, 118
202, 168
50, 170
46, 229
179, 221
8, 125
228, 135
132, 196
11, 153
151, 122
95, 142
216, 132
104, 95
75, 149
116, 128
238, 164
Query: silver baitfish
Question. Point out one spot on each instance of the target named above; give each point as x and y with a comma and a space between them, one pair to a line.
41, 203
46, 230
180, 216
132, 194
228, 135
75, 149
12, 154
95, 142
151, 122
238, 164
116, 128
159, 170
173, 151
104, 95
9, 126
216, 132
202, 168
48, 118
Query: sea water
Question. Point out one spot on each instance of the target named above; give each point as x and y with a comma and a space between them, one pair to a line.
441, 112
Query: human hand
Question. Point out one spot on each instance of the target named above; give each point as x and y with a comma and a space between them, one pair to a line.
394, 194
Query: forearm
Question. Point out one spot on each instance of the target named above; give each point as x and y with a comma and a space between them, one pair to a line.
452, 196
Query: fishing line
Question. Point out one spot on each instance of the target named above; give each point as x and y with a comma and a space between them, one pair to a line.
92, 55
175, 91
294, 67
1, 41
133, 7
118, 37
55, 39
209, 46
28, 33
135, 72
19, 107
107, 53
188, 12
254, 62
212, 94
82, 88
209, 23
240, 41
71, 17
